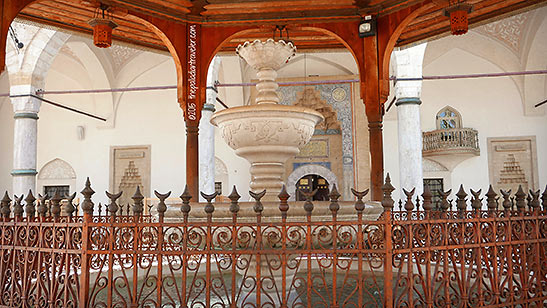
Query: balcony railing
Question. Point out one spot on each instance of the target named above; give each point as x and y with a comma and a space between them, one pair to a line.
455, 140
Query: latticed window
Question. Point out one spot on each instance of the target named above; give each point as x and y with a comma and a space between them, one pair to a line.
63, 190
448, 118
435, 186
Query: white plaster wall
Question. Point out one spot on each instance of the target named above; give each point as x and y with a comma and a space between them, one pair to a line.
492, 106
144, 118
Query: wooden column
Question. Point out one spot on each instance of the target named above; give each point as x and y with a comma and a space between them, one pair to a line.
373, 108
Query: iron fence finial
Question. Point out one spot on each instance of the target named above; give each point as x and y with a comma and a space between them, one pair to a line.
69, 208
5, 205
534, 202
162, 207
209, 207
42, 207
461, 203
258, 207
283, 204
56, 204
387, 188
445, 205
409, 206
234, 198
30, 209
113, 206
87, 203
138, 205
507, 204
334, 195
491, 202
476, 200
185, 197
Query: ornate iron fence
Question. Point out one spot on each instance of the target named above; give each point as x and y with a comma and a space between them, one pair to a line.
427, 255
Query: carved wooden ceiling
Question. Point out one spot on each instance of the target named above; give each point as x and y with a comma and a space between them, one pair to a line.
74, 15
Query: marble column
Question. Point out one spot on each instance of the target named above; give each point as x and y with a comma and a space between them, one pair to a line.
409, 65
207, 150
207, 133
25, 133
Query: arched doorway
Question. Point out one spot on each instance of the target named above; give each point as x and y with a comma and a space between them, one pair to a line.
309, 183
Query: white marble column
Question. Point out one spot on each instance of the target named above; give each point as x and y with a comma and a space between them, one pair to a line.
25, 133
409, 65
207, 134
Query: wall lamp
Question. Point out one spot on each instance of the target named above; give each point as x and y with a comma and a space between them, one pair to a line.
367, 27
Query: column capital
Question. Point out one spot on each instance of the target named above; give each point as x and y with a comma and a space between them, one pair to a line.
25, 104
408, 101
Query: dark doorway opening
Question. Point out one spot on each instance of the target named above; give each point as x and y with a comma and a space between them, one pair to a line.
309, 183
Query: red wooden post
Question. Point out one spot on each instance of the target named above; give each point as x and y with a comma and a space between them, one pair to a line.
370, 89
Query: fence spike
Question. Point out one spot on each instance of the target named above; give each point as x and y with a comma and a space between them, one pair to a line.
476, 199
507, 204
520, 197
17, 206
138, 205
234, 198
334, 195
5, 205
258, 207
113, 207
544, 199
409, 206
87, 192
283, 204
491, 202
427, 196
445, 205
387, 189
69, 208
461, 203
55, 207
162, 207
185, 197
209, 207
418, 203
534, 202
42, 207
30, 209
359, 204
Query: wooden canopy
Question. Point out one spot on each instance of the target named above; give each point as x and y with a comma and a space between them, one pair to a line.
432, 22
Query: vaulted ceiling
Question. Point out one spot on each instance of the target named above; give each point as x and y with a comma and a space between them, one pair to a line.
74, 15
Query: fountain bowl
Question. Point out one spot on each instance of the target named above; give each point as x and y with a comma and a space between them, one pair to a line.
267, 135
269, 54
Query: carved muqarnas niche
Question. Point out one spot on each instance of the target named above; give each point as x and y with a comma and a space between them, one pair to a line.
512, 173
311, 98
130, 180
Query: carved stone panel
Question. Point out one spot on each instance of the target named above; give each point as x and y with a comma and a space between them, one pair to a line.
512, 161
129, 168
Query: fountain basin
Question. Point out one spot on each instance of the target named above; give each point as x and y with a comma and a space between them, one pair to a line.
266, 135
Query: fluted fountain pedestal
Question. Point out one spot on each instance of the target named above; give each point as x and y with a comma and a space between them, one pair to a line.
267, 134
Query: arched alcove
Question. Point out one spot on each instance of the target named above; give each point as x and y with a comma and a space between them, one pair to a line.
309, 169
56, 173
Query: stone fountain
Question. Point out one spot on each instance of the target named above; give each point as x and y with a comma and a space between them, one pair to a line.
266, 134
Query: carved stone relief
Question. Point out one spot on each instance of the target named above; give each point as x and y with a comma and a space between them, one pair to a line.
129, 168
512, 161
